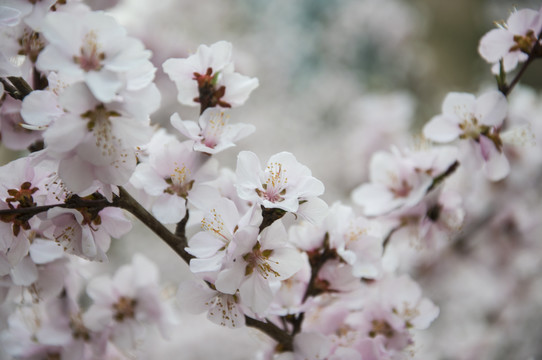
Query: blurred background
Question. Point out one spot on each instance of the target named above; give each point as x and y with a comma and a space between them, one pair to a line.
339, 79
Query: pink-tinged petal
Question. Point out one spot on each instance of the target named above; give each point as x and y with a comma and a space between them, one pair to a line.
118, 171
495, 165
45, 251
256, 293
495, 44
65, 134
238, 88
97, 318
52, 58
228, 280
458, 104
311, 187
209, 264
194, 296
248, 174
9, 16
77, 175
312, 345
63, 30
382, 165
491, 108
286, 262
225, 311
519, 22
375, 199
114, 222
145, 177
169, 209
217, 56
25, 273
428, 312
103, 84
205, 244
190, 129
77, 99
313, 210
182, 72
442, 128
40, 108
204, 197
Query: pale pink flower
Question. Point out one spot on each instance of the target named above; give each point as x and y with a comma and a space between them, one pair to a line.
94, 48
128, 301
258, 266
356, 240
222, 309
13, 133
479, 119
395, 182
284, 184
84, 233
513, 41
169, 175
95, 141
222, 227
212, 133
207, 78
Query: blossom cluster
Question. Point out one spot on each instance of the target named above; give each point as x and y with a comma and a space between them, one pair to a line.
324, 281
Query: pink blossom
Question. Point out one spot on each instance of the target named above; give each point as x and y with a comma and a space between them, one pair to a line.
284, 184
213, 133
93, 48
208, 78
477, 119
513, 41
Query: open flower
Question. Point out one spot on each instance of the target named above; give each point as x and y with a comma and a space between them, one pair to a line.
212, 133
477, 119
284, 184
92, 47
207, 78
513, 41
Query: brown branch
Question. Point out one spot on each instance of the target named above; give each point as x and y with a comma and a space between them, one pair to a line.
284, 339
127, 202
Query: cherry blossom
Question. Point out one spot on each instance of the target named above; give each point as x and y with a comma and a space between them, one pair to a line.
212, 133
207, 78
124, 303
477, 119
258, 265
222, 309
284, 184
222, 228
93, 141
513, 41
169, 175
93, 48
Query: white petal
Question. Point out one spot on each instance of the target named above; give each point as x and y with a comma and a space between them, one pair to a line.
491, 108
442, 128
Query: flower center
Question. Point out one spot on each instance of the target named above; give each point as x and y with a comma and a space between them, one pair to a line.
274, 188
215, 224
525, 42
99, 122
31, 44
214, 129
178, 182
381, 327
90, 59
259, 260
125, 308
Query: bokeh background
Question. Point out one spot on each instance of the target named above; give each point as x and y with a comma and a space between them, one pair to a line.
330, 71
